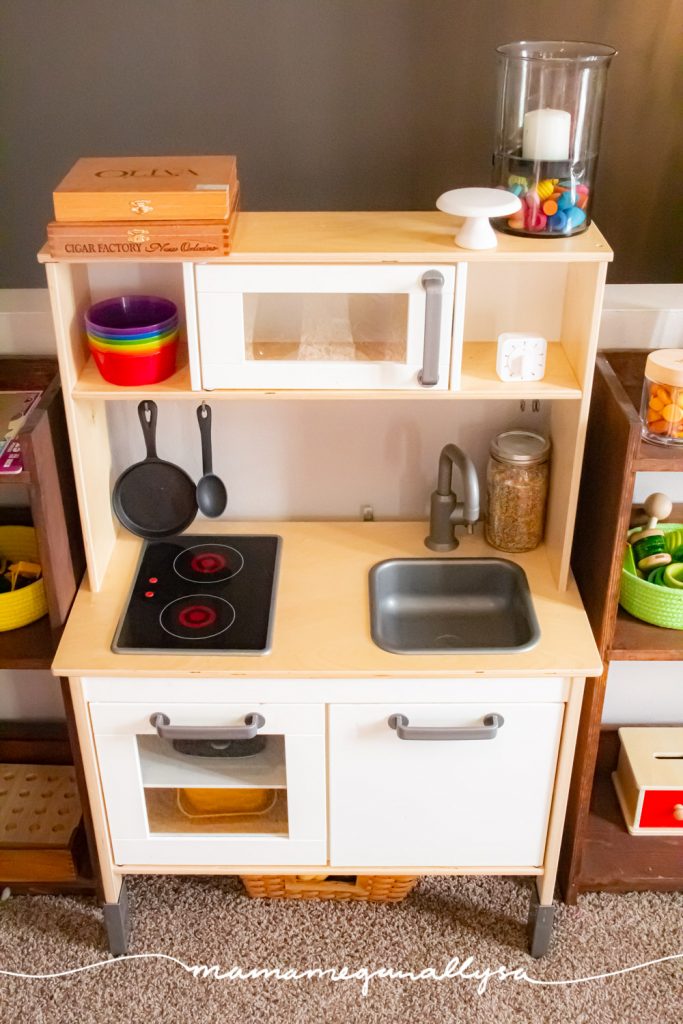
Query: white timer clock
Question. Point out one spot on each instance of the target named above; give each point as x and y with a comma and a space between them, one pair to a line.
521, 356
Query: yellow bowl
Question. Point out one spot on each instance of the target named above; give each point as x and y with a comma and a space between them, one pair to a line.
20, 607
133, 350
201, 803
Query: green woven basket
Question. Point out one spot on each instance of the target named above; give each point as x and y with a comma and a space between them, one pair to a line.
660, 606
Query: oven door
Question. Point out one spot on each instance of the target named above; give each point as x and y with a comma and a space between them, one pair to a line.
213, 784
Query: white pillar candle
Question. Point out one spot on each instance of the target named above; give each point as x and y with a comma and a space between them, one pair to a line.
546, 135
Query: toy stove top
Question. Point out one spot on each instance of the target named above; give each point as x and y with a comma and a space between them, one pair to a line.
199, 594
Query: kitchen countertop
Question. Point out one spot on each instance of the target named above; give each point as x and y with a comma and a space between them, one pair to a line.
322, 620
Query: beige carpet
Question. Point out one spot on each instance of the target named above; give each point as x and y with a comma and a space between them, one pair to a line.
210, 921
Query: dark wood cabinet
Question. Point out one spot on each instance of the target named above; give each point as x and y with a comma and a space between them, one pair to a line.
49, 505
598, 852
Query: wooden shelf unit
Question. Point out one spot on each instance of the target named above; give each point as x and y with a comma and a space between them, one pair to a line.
598, 852
614, 860
48, 481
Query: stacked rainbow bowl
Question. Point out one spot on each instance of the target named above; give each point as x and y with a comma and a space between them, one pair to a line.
133, 338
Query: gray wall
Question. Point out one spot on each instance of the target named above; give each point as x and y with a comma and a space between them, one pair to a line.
328, 104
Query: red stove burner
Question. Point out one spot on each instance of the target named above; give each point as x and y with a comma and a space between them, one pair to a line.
197, 617
208, 563
190, 595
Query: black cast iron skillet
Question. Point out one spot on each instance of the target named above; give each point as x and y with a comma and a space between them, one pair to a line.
154, 498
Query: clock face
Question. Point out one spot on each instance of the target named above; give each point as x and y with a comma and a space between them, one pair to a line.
521, 357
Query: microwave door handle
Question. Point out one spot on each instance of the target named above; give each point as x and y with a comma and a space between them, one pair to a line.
432, 282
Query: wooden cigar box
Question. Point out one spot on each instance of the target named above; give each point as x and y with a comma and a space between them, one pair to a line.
154, 240
147, 188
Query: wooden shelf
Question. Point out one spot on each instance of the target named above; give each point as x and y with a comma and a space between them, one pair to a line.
26, 374
91, 384
613, 860
480, 380
15, 478
635, 640
378, 236
32, 646
76, 886
162, 767
656, 458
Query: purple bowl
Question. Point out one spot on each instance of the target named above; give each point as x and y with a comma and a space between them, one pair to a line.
128, 315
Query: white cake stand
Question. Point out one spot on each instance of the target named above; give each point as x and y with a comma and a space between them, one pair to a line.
476, 205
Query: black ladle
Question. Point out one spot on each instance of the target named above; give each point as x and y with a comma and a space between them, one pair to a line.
212, 496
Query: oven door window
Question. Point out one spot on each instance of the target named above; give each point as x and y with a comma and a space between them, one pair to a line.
198, 787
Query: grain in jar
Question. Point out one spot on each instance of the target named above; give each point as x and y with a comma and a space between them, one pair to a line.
517, 489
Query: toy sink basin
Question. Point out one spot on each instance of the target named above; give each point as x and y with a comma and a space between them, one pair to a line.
451, 606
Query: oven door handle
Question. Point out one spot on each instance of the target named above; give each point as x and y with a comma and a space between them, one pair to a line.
165, 731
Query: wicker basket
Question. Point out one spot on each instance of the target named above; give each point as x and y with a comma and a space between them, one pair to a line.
660, 606
379, 888
19, 607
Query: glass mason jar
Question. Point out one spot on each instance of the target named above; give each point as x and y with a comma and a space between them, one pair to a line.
517, 488
550, 104
661, 408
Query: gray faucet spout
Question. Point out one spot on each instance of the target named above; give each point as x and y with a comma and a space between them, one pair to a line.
446, 511
451, 456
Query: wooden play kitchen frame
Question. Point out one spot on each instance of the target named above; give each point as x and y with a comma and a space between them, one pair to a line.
326, 685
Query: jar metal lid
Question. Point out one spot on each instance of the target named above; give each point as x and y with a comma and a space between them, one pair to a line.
665, 366
521, 447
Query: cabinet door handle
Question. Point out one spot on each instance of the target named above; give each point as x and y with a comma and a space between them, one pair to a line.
162, 723
432, 282
406, 731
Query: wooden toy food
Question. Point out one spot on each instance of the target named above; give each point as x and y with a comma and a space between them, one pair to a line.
662, 403
649, 547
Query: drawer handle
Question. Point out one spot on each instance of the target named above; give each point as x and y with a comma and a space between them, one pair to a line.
678, 812
432, 282
165, 731
406, 731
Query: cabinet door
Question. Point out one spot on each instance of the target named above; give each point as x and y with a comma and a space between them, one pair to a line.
439, 796
298, 327
181, 787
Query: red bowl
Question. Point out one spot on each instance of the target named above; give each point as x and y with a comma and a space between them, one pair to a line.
130, 370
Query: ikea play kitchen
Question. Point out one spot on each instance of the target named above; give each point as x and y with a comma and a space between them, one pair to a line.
285, 699
289, 701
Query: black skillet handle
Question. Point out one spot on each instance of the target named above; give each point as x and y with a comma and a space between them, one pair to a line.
147, 411
204, 417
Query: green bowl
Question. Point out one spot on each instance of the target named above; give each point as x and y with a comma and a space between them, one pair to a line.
134, 350
650, 602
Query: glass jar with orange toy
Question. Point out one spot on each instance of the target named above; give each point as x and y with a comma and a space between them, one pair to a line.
661, 409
